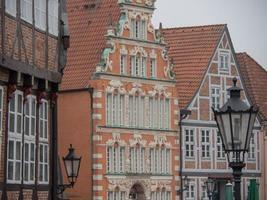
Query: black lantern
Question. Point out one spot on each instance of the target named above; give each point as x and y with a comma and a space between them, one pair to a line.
72, 167
235, 121
210, 187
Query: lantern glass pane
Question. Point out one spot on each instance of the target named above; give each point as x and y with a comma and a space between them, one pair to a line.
68, 165
227, 131
76, 164
244, 128
237, 131
250, 129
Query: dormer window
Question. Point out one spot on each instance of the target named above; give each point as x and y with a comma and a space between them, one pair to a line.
138, 29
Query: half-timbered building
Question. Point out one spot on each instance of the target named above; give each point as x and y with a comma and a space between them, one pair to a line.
32, 57
205, 64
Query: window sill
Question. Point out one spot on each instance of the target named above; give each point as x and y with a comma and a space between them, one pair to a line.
137, 128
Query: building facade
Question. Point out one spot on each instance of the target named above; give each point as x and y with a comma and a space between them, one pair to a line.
204, 70
32, 58
129, 142
255, 80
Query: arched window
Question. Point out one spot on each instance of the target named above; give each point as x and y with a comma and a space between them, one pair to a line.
138, 28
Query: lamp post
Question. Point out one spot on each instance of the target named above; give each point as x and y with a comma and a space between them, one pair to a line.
72, 167
235, 120
210, 187
185, 185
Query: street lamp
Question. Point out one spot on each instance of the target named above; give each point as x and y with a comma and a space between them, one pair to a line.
72, 167
210, 187
235, 122
186, 185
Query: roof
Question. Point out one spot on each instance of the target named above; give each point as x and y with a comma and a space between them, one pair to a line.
191, 49
88, 23
255, 81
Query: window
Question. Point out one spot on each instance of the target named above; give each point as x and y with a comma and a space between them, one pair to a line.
43, 146
43, 163
190, 193
220, 151
215, 97
159, 113
26, 10
204, 195
205, 143
137, 111
137, 159
153, 68
15, 137
161, 195
115, 109
224, 61
116, 195
115, 159
160, 161
252, 148
40, 14
189, 143
138, 66
29, 139
11, 7
138, 29
1, 109
53, 17
123, 64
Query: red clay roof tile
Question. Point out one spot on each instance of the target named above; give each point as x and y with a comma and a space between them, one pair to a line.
191, 49
255, 81
88, 22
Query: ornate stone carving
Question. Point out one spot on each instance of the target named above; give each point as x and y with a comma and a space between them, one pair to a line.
116, 140
168, 71
115, 85
160, 140
138, 49
159, 90
137, 140
137, 89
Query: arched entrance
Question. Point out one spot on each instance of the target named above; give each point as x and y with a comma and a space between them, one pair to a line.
137, 192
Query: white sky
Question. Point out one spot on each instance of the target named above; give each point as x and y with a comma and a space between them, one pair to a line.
246, 20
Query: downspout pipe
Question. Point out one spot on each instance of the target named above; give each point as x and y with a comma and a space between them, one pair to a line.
184, 113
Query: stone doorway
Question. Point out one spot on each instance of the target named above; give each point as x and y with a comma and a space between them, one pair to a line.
137, 192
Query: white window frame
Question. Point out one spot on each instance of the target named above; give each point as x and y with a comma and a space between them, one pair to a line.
219, 147
137, 160
215, 95
224, 61
252, 153
116, 195
190, 194
11, 7
26, 10
160, 195
153, 67
40, 14
53, 7
30, 111
115, 159
160, 161
115, 109
138, 29
206, 144
15, 136
189, 144
44, 143
123, 64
